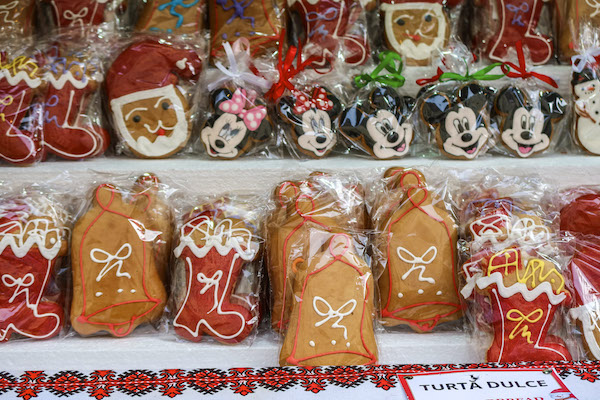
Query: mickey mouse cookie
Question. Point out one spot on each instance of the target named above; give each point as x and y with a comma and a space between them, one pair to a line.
118, 277
459, 119
526, 124
586, 92
239, 122
148, 88
172, 16
380, 125
312, 118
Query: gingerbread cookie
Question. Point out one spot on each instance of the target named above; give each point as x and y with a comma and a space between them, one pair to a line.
73, 81
312, 118
16, 17
380, 125
117, 281
215, 250
239, 122
261, 22
33, 241
416, 29
172, 16
332, 319
572, 16
586, 92
417, 255
526, 125
458, 119
20, 113
148, 99
82, 13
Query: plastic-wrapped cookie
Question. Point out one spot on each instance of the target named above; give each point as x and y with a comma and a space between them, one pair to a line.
179, 17
17, 17
586, 92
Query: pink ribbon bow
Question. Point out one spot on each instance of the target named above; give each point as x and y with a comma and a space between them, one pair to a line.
237, 105
318, 100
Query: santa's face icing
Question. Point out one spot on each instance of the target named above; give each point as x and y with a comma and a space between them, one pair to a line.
152, 122
415, 29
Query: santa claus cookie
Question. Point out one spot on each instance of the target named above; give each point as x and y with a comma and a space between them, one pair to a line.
16, 17
332, 319
117, 278
586, 93
215, 250
415, 29
306, 214
239, 122
21, 85
172, 16
83, 13
520, 292
73, 80
148, 88
33, 241
416, 254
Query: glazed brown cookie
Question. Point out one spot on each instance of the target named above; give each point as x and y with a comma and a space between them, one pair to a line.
172, 16
117, 277
332, 319
572, 16
16, 17
417, 258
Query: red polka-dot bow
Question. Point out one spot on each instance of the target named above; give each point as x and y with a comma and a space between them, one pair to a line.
252, 117
318, 100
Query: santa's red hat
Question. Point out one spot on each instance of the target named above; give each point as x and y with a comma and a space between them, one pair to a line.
449, 3
150, 65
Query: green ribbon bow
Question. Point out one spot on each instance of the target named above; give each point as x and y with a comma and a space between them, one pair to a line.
387, 62
481, 75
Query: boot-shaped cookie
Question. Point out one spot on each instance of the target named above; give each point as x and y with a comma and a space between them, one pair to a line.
524, 293
20, 126
68, 131
332, 319
77, 13
32, 243
518, 22
116, 280
215, 250
418, 284
175, 16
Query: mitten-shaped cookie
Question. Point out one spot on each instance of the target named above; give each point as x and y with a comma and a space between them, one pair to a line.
239, 122
16, 17
116, 280
332, 319
33, 240
215, 250
20, 114
172, 16
417, 246
69, 131
150, 108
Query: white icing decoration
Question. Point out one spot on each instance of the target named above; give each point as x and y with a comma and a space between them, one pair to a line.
418, 263
523, 230
4, 10
595, 4
98, 294
400, 295
380, 127
589, 315
224, 238
587, 108
346, 309
439, 293
460, 123
162, 145
333, 342
520, 288
120, 291
420, 291
65, 77
21, 238
132, 290
407, 48
111, 261
20, 76
317, 123
231, 137
181, 63
311, 343
347, 344
529, 121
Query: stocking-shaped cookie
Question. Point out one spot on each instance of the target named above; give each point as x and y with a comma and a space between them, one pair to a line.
332, 319
116, 280
215, 250
68, 131
418, 285
20, 126
518, 22
524, 293
172, 16
33, 241
16, 17
77, 13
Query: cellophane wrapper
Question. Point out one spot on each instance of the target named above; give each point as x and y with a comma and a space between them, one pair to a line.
55, 16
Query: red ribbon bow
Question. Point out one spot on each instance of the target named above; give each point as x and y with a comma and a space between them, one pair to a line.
318, 100
427, 81
520, 71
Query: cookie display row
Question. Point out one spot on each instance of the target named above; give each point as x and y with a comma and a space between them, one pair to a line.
503, 260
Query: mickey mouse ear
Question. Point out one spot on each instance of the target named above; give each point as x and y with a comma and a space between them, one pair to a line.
553, 104
474, 95
434, 107
220, 95
385, 98
510, 98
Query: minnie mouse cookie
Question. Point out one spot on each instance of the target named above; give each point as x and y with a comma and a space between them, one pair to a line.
459, 119
311, 116
179, 17
239, 122
148, 88
527, 124
380, 125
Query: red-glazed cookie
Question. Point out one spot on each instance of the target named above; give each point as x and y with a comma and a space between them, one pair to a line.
32, 243
77, 13
582, 215
215, 250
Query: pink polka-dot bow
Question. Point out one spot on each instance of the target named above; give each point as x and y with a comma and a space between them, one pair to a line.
252, 117
318, 100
